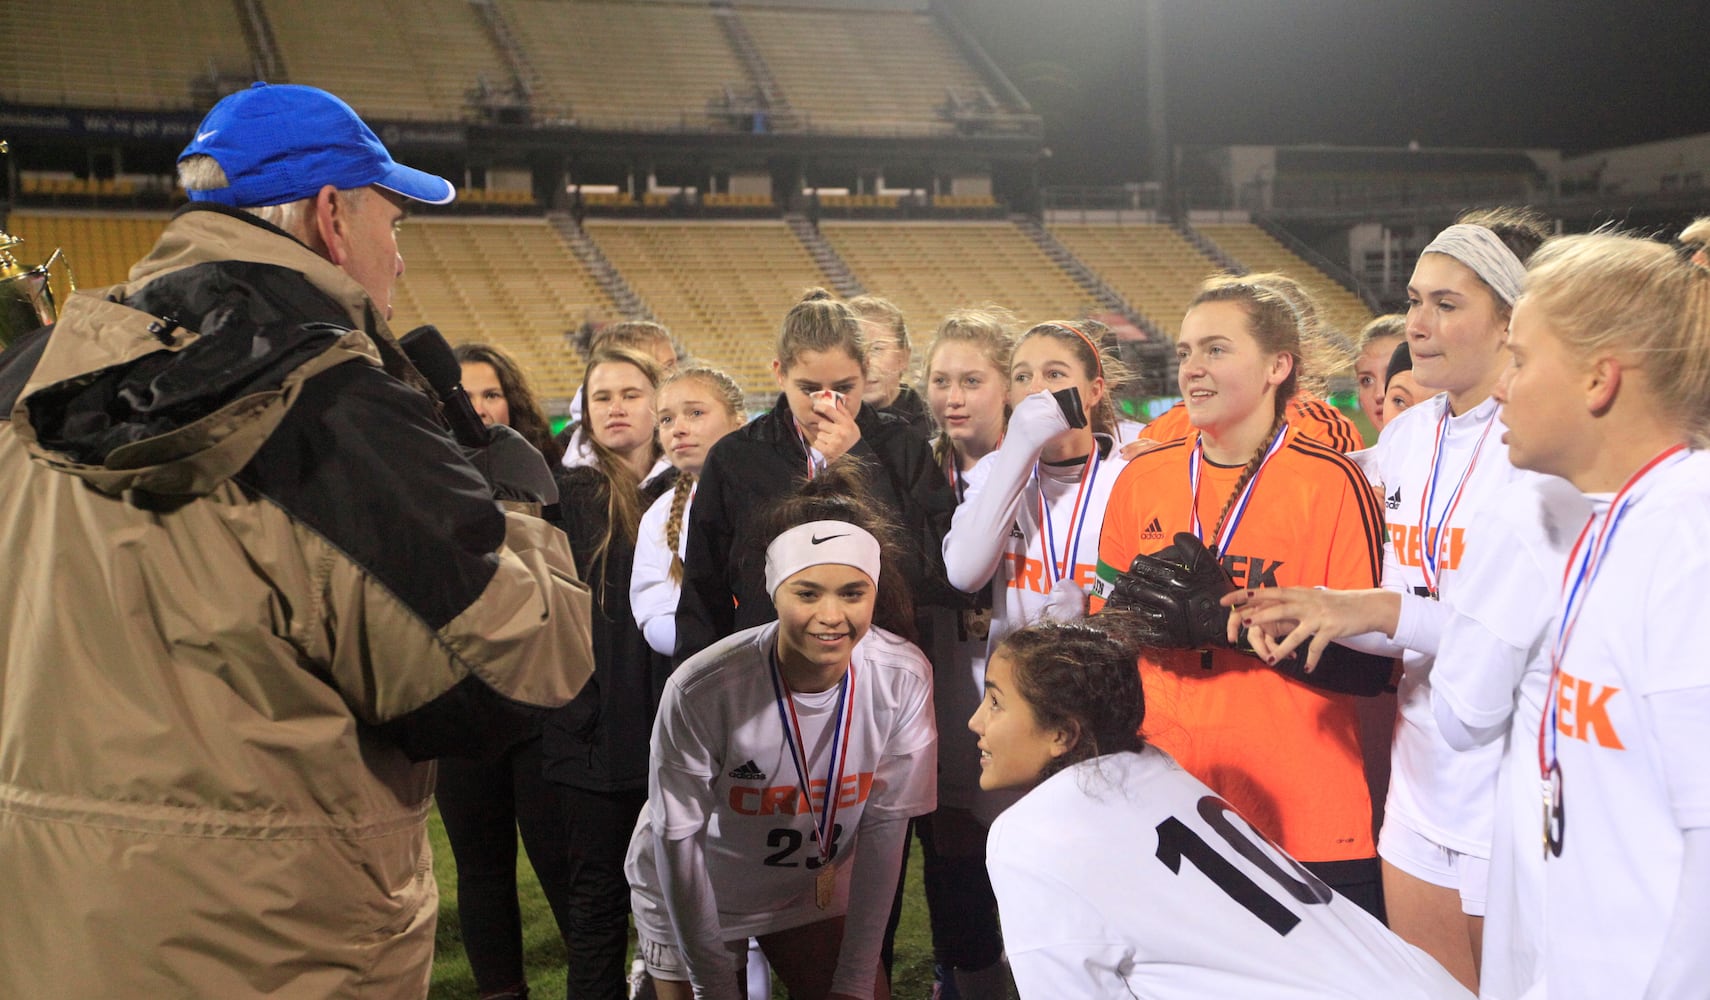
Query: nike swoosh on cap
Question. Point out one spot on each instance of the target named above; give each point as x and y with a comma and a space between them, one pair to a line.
205, 136
816, 539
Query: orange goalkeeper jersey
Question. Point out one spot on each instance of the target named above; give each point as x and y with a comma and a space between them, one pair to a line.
1316, 419
1285, 754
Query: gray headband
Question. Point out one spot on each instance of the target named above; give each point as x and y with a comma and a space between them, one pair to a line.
1489, 258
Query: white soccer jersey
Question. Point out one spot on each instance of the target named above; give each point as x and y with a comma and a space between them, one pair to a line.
1629, 787
1029, 557
652, 593
1444, 795
1492, 668
1126, 876
721, 761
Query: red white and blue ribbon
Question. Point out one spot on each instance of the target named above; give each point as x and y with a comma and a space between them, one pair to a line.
1431, 536
1584, 563
1239, 509
1065, 569
813, 465
824, 821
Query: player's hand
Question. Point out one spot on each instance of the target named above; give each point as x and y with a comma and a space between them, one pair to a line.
1171, 597
1036, 420
1137, 447
837, 431
1279, 620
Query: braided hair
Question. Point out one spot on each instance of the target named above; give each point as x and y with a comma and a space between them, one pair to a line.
727, 392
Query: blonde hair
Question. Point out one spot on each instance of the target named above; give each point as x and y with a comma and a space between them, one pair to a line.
727, 392
882, 311
1608, 293
991, 330
1093, 346
1392, 325
1697, 233
622, 487
818, 322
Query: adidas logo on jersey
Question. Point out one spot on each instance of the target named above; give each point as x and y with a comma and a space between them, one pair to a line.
749, 771
1153, 532
1015, 532
1393, 501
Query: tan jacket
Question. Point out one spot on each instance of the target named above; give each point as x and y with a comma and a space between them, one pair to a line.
249, 589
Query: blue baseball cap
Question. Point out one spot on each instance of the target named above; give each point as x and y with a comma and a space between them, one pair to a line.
282, 143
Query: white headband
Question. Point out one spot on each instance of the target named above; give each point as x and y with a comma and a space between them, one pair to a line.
1489, 257
817, 543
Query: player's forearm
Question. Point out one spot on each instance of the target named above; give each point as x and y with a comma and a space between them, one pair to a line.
872, 887
694, 915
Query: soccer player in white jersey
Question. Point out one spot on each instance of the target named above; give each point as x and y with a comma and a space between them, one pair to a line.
1437, 464
1030, 519
1610, 390
697, 407
1120, 874
1488, 687
787, 760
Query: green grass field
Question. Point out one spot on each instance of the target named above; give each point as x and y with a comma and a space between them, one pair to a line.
543, 955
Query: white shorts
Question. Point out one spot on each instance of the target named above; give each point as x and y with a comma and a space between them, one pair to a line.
664, 961
1429, 861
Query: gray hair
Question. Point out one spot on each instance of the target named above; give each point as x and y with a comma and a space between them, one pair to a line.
204, 173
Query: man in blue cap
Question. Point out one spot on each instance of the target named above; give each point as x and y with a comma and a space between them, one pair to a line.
256, 589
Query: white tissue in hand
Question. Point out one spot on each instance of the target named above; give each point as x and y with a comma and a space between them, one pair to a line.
1067, 601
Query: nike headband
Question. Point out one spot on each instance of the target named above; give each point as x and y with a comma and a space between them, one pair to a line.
1489, 258
817, 543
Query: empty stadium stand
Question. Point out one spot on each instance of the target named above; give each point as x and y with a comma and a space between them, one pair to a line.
931, 268
722, 287
1150, 265
389, 59
511, 282
639, 67
876, 71
163, 53
1257, 250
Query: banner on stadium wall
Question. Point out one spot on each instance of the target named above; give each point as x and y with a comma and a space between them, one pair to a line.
180, 126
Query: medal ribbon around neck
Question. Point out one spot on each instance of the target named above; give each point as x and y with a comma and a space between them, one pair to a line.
813, 466
1055, 570
1578, 575
824, 821
1431, 538
1239, 509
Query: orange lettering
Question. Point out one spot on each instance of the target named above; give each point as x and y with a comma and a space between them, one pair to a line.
1028, 574
1564, 707
779, 799
1085, 574
738, 795
1398, 542
1591, 713
1412, 552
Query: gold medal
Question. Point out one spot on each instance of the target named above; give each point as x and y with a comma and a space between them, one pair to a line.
977, 623
825, 884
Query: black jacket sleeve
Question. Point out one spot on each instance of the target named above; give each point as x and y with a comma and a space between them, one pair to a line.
706, 610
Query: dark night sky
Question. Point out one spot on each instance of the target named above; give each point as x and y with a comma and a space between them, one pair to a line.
1571, 74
